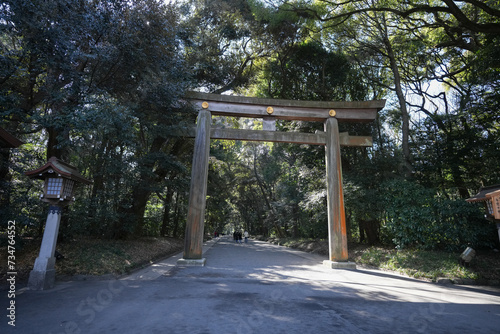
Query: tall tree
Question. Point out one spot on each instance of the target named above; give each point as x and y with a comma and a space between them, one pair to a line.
375, 41
221, 43
103, 78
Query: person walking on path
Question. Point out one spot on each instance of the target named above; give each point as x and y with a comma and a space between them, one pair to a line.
246, 236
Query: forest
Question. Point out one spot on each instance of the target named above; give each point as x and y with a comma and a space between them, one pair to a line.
100, 84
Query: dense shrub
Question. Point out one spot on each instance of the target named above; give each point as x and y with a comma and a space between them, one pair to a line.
416, 216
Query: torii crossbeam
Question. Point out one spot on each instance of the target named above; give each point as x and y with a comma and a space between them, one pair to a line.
330, 113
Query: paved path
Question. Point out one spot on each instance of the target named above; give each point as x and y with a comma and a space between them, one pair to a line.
256, 288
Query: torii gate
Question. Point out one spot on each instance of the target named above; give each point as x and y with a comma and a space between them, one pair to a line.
330, 113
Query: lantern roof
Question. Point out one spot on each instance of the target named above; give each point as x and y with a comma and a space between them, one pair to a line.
483, 193
58, 167
8, 141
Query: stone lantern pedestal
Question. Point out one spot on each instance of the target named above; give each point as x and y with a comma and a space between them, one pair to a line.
43, 275
60, 179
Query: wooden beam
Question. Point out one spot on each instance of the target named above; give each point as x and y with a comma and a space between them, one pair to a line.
359, 141
318, 138
317, 111
269, 136
193, 239
337, 234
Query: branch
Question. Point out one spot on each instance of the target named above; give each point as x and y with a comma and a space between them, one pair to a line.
465, 22
451, 8
482, 5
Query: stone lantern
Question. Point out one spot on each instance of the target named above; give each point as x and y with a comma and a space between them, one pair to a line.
493, 204
60, 179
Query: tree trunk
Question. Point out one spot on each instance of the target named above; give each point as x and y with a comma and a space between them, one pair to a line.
279, 232
166, 213
405, 117
175, 230
56, 148
5, 184
369, 229
142, 189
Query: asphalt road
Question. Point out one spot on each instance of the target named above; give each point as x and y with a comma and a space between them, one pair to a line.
255, 288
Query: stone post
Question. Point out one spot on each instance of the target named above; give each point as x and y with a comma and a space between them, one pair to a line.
42, 277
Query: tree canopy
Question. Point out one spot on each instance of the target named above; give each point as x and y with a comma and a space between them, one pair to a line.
101, 84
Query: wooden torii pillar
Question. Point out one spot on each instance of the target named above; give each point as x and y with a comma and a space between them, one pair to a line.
330, 113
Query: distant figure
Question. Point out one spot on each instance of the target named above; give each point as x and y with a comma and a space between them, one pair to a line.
235, 236
239, 237
246, 236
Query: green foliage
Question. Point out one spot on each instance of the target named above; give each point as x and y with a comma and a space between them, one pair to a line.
307, 71
220, 43
99, 85
417, 217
